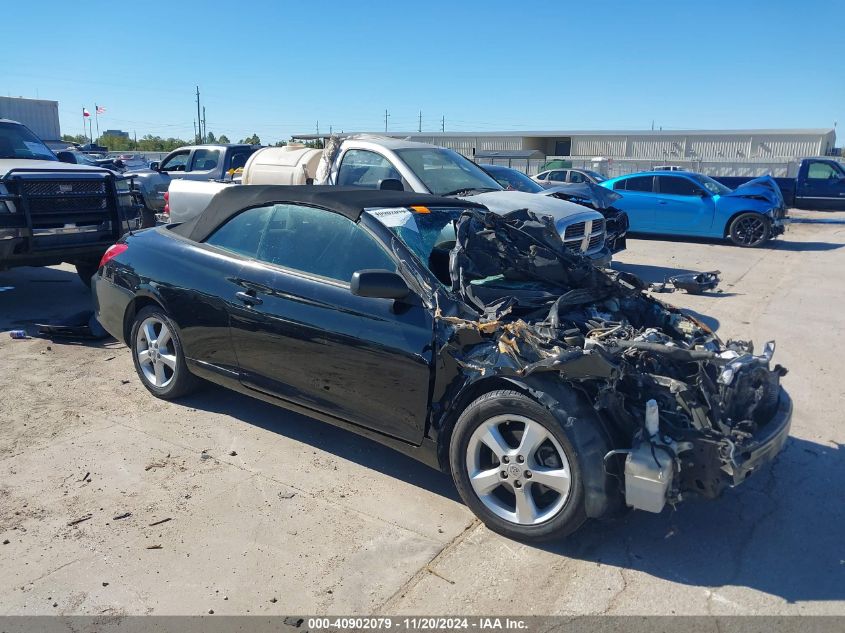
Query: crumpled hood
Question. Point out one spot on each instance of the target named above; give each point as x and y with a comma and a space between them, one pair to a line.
763, 187
598, 197
506, 201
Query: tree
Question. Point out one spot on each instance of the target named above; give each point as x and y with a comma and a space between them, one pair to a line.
280, 144
252, 140
223, 140
210, 138
75, 138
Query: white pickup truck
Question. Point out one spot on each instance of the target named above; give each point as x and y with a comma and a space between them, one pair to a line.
394, 164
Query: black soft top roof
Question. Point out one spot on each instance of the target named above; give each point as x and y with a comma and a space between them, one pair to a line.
348, 201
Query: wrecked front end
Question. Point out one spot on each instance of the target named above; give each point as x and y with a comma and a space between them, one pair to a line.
691, 413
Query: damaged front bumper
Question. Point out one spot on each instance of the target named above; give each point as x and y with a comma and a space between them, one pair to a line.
766, 444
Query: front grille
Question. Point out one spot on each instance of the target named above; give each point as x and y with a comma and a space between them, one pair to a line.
595, 241
56, 203
574, 231
63, 187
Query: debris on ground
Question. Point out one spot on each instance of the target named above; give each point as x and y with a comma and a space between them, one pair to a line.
18, 334
692, 283
125, 515
153, 546
232, 453
160, 522
82, 325
204, 454
287, 495
80, 520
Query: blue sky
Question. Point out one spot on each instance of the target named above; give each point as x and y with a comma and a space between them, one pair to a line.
276, 68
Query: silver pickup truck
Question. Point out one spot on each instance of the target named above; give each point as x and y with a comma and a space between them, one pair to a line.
394, 164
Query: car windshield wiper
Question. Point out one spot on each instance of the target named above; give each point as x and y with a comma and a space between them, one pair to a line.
468, 190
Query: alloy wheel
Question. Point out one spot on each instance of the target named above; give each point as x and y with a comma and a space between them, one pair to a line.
518, 469
749, 230
156, 352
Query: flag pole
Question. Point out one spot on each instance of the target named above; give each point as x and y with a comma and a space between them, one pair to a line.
97, 118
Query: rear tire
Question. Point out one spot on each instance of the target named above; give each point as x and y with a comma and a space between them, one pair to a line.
516, 468
750, 230
158, 355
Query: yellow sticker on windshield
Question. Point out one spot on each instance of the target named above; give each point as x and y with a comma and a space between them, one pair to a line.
420, 209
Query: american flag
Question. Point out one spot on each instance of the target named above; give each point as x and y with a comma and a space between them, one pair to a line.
100, 110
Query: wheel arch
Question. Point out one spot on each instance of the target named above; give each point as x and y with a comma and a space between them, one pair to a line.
726, 230
142, 299
593, 439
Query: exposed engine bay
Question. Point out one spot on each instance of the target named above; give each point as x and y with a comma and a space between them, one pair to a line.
697, 414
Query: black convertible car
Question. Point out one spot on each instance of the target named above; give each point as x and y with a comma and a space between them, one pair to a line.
552, 391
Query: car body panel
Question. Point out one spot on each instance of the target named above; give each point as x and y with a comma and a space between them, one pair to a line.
706, 215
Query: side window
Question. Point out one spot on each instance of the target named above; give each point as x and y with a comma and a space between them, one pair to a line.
639, 183
676, 186
320, 243
821, 171
621, 185
362, 168
242, 233
205, 159
239, 160
557, 176
542, 176
176, 162
576, 176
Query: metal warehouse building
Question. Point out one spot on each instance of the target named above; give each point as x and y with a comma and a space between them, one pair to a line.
39, 115
721, 152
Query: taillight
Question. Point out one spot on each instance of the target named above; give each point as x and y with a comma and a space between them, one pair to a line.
113, 251
167, 202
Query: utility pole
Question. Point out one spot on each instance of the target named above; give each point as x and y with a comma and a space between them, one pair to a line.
386, 116
419, 127
204, 128
195, 130
199, 116
318, 128
443, 123
330, 130
135, 134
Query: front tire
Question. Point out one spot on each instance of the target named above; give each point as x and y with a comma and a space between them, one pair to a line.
516, 468
158, 355
750, 230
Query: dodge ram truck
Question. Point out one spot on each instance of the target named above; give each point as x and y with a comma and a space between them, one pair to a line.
53, 212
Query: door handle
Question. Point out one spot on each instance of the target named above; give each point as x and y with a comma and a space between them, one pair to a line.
248, 298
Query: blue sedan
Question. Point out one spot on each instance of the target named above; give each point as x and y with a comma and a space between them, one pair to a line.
691, 204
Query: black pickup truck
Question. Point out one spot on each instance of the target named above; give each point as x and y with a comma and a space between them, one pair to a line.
819, 183
193, 162
53, 212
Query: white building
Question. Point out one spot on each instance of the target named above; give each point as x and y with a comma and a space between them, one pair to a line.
721, 152
39, 115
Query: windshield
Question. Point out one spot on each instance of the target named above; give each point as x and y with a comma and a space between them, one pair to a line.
513, 180
16, 141
595, 175
430, 234
446, 173
714, 187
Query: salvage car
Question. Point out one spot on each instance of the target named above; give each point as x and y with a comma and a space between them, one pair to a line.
691, 204
586, 194
552, 391
552, 177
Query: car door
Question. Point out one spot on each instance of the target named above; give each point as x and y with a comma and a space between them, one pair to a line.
203, 164
557, 177
364, 168
637, 201
577, 177
176, 164
682, 206
824, 183
301, 335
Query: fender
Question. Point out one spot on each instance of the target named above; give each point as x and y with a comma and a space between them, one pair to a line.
590, 434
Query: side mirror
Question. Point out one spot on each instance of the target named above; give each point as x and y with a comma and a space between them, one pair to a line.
66, 157
391, 184
381, 284
155, 165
